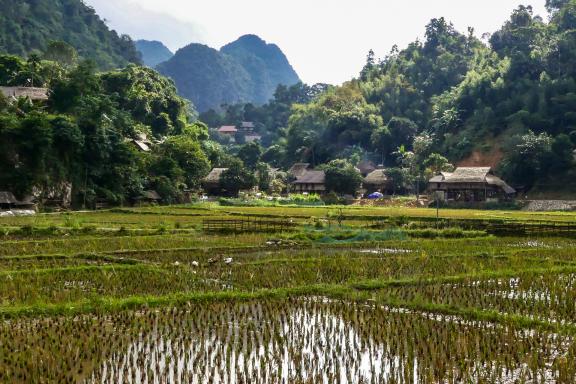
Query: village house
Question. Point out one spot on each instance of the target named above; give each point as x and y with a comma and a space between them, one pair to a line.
32, 93
470, 184
310, 181
247, 127
150, 197
377, 181
7, 200
229, 130
211, 183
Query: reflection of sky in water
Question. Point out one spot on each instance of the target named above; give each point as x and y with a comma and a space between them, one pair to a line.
309, 344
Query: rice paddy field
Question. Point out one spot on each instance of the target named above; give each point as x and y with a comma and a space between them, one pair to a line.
340, 295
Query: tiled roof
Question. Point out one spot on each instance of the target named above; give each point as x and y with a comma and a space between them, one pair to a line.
227, 129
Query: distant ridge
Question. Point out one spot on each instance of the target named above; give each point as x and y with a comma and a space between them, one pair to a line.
153, 52
246, 70
265, 63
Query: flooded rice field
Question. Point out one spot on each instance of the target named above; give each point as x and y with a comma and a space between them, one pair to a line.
311, 340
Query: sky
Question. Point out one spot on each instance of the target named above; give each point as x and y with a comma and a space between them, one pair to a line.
326, 41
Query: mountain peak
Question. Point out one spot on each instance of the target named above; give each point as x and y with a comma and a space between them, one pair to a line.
153, 52
266, 64
251, 38
246, 70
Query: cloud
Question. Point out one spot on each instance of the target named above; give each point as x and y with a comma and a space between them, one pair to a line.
128, 17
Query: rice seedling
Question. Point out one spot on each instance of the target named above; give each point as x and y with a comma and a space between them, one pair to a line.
362, 295
270, 341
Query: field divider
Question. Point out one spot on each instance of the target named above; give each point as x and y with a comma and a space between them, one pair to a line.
153, 234
81, 256
372, 285
105, 305
82, 268
484, 315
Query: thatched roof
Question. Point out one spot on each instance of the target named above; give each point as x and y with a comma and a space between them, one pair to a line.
298, 169
376, 177
151, 195
7, 198
214, 175
468, 175
440, 178
311, 177
494, 180
473, 175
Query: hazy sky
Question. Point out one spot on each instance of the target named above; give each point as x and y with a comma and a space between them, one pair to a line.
325, 40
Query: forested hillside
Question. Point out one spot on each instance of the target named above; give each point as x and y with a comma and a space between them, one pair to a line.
267, 66
153, 52
247, 70
207, 77
507, 102
83, 138
27, 26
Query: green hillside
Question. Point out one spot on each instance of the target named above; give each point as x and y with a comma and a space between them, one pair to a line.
29, 25
153, 52
265, 63
449, 99
207, 77
247, 70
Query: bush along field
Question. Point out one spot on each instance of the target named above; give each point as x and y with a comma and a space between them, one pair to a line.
221, 293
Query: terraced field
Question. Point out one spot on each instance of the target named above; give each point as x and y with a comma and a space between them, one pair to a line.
348, 295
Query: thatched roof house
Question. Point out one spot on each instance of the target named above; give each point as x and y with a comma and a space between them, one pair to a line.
212, 181
378, 181
7, 200
149, 197
310, 182
470, 184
